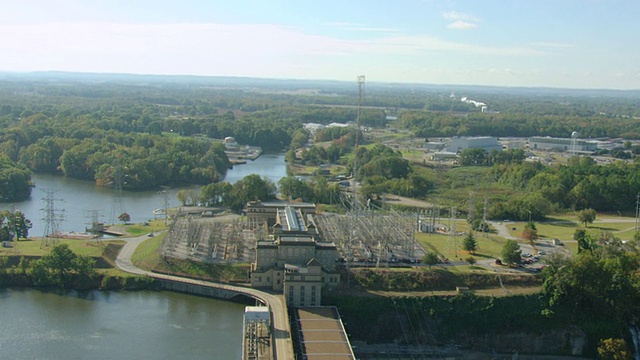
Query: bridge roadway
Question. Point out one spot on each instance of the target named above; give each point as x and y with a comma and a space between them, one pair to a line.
280, 327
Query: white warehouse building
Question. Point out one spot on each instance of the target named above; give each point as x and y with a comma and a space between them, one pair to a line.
487, 143
561, 144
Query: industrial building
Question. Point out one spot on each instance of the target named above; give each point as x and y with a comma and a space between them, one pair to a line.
292, 259
487, 143
562, 144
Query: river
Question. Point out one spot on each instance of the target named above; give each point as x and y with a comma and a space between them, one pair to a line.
117, 325
78, 202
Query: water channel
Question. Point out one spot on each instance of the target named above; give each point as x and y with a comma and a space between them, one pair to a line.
118, 325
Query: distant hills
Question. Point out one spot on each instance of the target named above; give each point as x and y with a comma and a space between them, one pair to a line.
296, 84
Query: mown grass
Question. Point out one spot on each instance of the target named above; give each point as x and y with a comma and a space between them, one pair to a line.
311, 170
147, 255
564, 226
489, 245
38, 247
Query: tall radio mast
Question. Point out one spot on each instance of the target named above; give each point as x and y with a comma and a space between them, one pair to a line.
360, 80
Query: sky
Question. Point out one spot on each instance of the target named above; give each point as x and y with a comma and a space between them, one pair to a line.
590, 44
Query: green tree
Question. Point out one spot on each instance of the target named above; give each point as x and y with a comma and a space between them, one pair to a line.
293, 188
299, 139
56, 267
473, 157
431, 259
14, 225
469, 243
214, 194
530, 232
59, 262
586, 216
20, 224
601, 284
182, 196
471, 260
250, 188
511, 253
15, 181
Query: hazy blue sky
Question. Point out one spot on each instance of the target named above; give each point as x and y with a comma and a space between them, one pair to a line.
555, 43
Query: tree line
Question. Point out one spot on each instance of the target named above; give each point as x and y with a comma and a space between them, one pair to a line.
517, 124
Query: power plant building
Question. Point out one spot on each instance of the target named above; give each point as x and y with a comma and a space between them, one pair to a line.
293, 259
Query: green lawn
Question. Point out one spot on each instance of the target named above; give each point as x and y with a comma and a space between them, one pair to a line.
147, 255
36, 247
564, 226
489, 246
141, 229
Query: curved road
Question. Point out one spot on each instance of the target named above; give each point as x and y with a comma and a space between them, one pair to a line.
281, 331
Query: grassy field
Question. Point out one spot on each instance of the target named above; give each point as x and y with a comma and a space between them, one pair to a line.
489, 247
564, 226
308, 170
140, 228
36, 247
147, 255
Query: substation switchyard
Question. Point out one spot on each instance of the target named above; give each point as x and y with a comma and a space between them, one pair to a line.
368, 236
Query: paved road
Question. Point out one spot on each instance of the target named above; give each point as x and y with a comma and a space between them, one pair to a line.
123, 261
281, 331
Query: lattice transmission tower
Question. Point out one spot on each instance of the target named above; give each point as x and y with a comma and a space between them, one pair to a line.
117, 203
355, 208
52, 218
95, 226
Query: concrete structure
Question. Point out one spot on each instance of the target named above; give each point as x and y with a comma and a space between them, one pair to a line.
293, 259
443, 156
434, 145
487, 143
256, 325
230, 142
320, 334
561, 144
303, 285
259, 212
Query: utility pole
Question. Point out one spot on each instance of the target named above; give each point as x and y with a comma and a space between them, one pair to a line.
485, 209
165, 205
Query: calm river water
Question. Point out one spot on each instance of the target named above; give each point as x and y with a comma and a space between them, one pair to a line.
118, 325
75, 200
